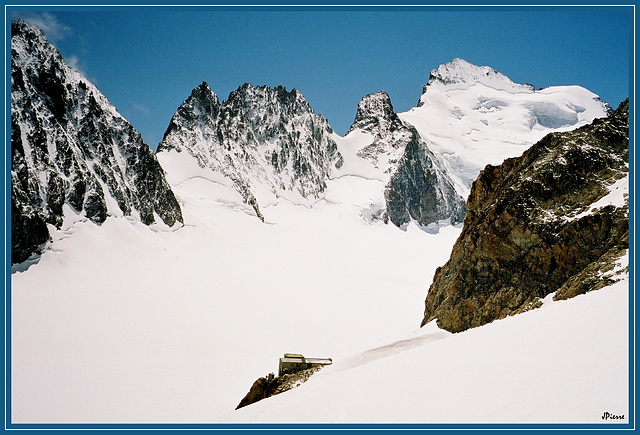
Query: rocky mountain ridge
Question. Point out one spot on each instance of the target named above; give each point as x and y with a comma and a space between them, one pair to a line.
553, 220
71, 148
267, 141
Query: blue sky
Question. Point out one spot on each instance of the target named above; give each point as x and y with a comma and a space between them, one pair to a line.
147, 60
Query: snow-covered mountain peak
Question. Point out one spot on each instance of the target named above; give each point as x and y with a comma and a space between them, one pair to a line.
375, 115
472, 116
201, 108
264, 142
460, 74
380, 146
206, 98
129, 324
73, 155
278, 100
31, 38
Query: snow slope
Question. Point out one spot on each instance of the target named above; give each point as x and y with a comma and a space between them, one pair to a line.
173, 326
124, 323
127, 323
563, 363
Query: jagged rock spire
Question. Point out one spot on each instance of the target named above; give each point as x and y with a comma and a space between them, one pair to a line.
375, 115
418, 188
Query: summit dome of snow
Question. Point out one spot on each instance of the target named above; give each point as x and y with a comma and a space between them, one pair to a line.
460, 74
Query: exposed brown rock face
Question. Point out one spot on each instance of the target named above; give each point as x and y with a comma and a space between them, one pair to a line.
530, 229
270, 385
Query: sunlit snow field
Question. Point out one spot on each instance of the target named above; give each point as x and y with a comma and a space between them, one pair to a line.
125, 323
565, 362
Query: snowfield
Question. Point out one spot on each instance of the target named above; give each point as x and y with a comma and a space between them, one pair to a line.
481, 120
124, 323
563, 363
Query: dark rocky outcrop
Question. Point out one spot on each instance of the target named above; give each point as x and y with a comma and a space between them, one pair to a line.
419, 188
69, 146
532, 228
271, 385
375, 115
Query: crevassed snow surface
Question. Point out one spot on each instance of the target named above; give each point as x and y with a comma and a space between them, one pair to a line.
485, 122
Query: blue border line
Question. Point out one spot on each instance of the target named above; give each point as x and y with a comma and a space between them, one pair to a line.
7, 229
632, 176
337, 426
323, 426
566, 6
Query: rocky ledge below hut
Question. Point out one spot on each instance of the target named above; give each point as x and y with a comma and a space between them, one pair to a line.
271, 385
293, 370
